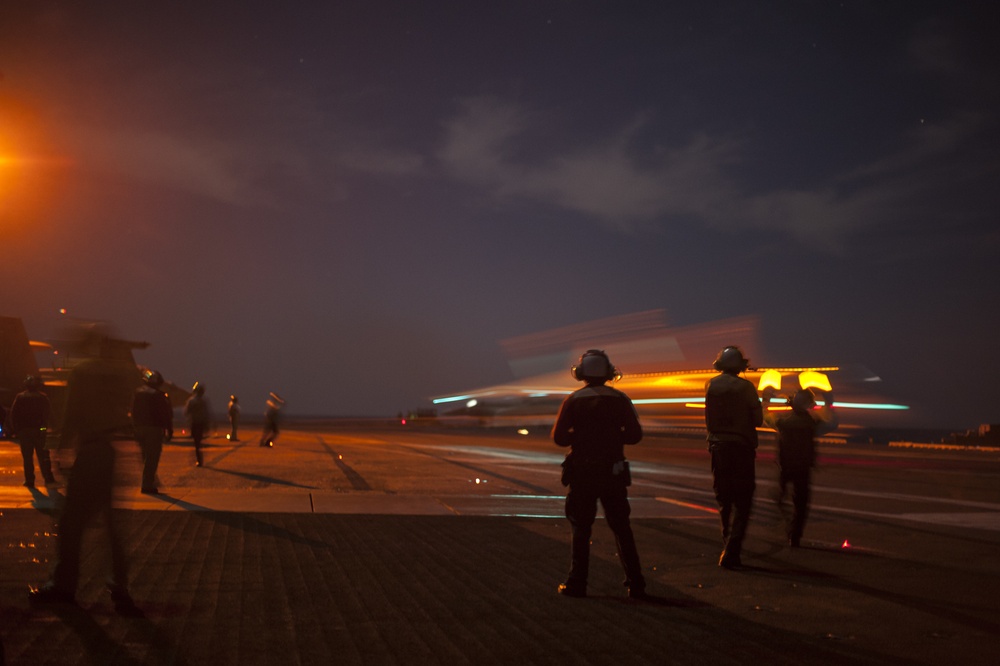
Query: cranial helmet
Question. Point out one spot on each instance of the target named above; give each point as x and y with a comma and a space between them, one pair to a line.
803, 400
152, 378
595, 365
731, 359
198, 388
32, 383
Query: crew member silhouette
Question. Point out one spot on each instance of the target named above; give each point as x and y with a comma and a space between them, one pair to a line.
596, 422
197, 412
234, 418
272, 418
796, 442
732, 414
97, 406
27, 421
153, 419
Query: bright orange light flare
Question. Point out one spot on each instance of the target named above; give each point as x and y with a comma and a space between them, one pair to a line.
845, 544
770, 379
812, 379
32, 172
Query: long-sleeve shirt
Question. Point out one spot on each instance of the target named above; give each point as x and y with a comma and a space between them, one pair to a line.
100, 393
597, 421
797, 432
732, 410
151, 407
30, 410
196, 410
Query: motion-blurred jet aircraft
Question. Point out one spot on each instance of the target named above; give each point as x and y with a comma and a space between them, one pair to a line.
665, 372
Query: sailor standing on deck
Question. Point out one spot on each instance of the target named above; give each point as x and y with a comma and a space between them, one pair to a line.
732, 415
97, 405
796, 439
27, 421
272, 418
153, 419
596, 422
196, 410
234, 418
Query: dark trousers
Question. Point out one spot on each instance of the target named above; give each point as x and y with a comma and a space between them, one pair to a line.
32, 441
734, 482
150, 441
581, 510
88, 494
799, 479
198, 434
270, 433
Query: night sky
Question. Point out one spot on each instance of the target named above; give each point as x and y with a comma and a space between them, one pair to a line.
352, 203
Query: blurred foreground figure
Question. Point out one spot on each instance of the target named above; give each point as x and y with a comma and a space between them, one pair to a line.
97, 406
271, 419
596, 422
732, 414
197, 413
153, 418
234, 418
27, 421
797, 431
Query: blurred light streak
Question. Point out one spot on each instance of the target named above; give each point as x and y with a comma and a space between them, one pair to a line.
666, 401
541, 497
813, 379
687, 505
451, 399
770, 379
862, 405
527, 515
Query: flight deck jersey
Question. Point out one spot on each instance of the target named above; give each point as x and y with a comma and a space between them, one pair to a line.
597, 422
732, 410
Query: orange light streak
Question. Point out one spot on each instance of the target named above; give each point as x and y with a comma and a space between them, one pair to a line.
813, 379
770, 379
